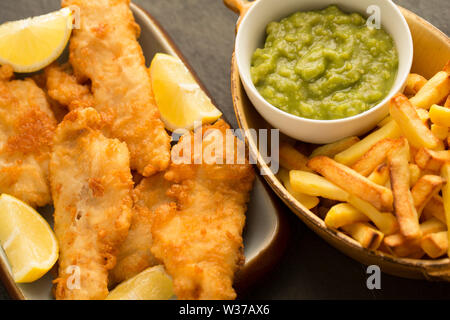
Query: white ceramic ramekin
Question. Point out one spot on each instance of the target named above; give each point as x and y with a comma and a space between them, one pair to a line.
251, 35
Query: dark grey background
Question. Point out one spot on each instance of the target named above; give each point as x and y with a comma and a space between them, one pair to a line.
310, 269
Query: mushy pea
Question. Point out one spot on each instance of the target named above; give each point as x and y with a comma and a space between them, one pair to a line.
324, 64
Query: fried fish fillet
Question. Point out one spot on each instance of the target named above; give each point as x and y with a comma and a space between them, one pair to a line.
59, 110
63, 87
91, 186
199, 239
134, 254
27, 126
105, 52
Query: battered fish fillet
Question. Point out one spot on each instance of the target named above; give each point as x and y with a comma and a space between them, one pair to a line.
134, 254
59, 110
105, 51
199, 239
63, 87
27, 127
91, 186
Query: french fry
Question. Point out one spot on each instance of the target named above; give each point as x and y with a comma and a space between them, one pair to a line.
434, 91
414, 174
435, 208
352, 154
412, 152
423, 115
384, 190
394, 240
447, 102
435, 244
283, 175
332, 149
365, 234
308, 201
409, 249
291, 158
414, 83
445, 172
411, 125
384, 248
315, 185
380, 175
384, 221
374, 156
404, 208
430, 226
431, 160
385, 121
352, 182
425, 188
447, 67
440, 115
343, 214
416, 255
440, 132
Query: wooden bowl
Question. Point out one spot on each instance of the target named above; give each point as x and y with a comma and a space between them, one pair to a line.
431, 52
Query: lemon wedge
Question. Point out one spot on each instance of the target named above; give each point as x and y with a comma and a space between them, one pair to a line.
27, 239
181, 101
151, 284
31, 44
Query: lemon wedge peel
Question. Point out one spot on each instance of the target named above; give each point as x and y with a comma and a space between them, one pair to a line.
180, 100
27, 240
151, 284
31, 44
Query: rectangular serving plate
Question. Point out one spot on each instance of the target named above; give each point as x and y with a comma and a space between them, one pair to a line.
265, 234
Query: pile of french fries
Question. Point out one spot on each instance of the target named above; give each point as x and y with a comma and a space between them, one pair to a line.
389, 190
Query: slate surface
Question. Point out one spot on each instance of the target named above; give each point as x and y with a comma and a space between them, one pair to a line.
310, 269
